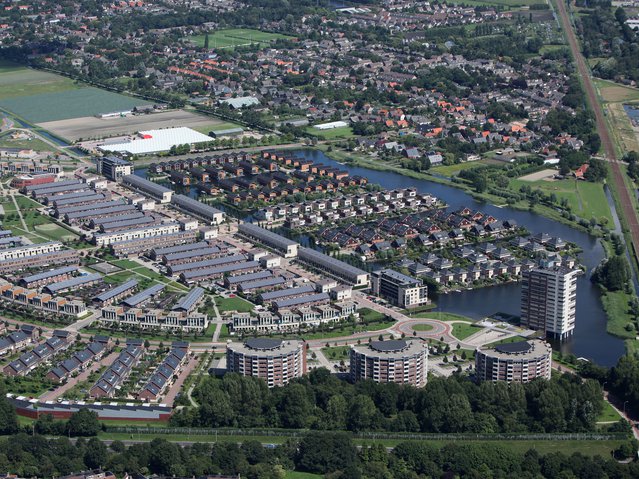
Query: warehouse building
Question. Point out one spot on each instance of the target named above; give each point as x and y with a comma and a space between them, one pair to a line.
144, 244
155, 191
155, 141
519, 362
400, 289
275, 361
196, 208
116, 293
334, 267
270, 239
46, 277
73, 284
394, 361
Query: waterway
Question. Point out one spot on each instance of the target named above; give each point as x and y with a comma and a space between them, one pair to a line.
590, 339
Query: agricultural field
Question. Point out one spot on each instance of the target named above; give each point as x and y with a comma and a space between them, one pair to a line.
237, 37
90, 127
613, 96
585, 199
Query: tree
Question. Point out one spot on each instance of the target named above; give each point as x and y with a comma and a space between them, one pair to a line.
613, 274
206, 41
8, 416
83, 423
322, 453
95, 453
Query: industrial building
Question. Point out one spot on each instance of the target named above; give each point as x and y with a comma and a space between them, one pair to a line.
155, 141
334, 267
114, 168
399, 289
275, 361
394, 361
549, 299
196, 208
519, 362
278, 242
144, 186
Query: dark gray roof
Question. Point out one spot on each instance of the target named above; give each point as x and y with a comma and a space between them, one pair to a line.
262, 283
263, 343
192, 254
96, 213
127, 224
188, 301
268, 237
108, 220
204, 272
514, 348
145, 185
389, 346
207, 263
242, 278
332, 264
79, 197
49, 274
47, 186
283, 293
143, 295
179, 248
300, 300
107, 295
73, 282
195, 206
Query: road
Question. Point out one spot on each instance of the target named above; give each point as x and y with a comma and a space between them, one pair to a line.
627, 207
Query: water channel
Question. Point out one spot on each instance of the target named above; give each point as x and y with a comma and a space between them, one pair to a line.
590, 339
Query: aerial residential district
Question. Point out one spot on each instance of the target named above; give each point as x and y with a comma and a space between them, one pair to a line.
319, 239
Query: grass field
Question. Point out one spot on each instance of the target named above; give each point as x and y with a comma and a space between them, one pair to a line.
40, 228
614, 92
452, 170
65, 104
585, 199
237, 37
336, 352
512, 339
422, 327
342, 132
608, 414
443, 316
463, 330
233, 304
34, 144
615, 304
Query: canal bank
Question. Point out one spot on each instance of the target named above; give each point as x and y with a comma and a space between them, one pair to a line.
591, 339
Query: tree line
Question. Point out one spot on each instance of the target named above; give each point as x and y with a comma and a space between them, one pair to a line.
447, 405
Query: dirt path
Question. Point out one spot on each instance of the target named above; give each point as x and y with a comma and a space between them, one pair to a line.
627, 207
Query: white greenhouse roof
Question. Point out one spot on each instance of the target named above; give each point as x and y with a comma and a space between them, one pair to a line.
152, 141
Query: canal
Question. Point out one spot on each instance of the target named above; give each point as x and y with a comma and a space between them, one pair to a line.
590, 339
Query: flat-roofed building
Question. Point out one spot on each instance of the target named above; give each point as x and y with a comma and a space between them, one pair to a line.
114, 168
400, 289
270, 239
275, 361
155, 191
519, 362
335, 267
549, 299
394, 361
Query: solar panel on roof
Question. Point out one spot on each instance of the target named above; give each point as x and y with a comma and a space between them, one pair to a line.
73, 282
143, 295
187, 302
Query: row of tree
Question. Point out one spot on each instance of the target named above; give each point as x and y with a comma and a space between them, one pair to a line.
447, 405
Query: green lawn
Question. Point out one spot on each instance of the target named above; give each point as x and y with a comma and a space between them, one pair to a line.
615, 304
443, 316
301, 475
336, 352
233, 304
464, 330
235, 37
608, 414
26, 203
422, 327
452, 170
32, 144
342, 132
586, 199
224, 125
